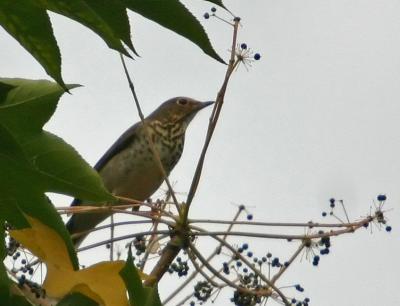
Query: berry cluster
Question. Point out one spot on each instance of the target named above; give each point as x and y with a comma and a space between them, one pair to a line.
207, 14
332, 204
22, 269
140, 245
35, 288
324, 242
379, 214
245, 55
241, 298
305, 302
202, 291
249, 215
180, 267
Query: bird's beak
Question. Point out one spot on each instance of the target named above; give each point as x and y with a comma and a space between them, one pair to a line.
205, 104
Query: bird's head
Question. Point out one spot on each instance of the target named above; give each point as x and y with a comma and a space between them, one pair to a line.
178, 110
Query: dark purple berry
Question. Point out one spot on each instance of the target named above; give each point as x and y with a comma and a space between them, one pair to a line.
381, 197
249, 217
298, 288
243, 46
206, 15
323, 214
213, 9
257, 56
388, 228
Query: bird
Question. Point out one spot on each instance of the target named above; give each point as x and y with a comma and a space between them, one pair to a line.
129, 168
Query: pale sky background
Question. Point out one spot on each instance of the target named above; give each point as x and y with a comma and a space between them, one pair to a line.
316, 117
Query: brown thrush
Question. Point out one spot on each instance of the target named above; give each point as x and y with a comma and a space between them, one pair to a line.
129, 168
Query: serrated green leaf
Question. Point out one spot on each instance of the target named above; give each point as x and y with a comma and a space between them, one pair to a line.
18, 300
116, 16
33, 161
133, 282
76, 299
10, 211
173, 15
4, 89
106, 18
138, 294
153, 298
30, 26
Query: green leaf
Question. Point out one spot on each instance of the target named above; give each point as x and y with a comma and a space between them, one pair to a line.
106, 18
115, 16
27, 108
138, 294
18, 300
33, 161
76, 299
4, 89
30, 25
10, 211
153, 298
4, 280
173, 15
217, 2
133, 282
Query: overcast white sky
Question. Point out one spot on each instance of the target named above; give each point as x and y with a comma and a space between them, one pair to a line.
317, 117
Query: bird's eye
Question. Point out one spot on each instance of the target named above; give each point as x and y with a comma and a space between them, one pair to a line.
182, 101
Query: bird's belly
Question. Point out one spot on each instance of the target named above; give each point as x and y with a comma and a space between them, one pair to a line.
135, 174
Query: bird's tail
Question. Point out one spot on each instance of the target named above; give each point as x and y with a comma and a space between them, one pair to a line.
80, 225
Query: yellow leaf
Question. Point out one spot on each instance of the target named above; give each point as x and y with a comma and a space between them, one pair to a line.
44, 243
100, 282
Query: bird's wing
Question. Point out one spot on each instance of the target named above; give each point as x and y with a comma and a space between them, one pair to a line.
127, 137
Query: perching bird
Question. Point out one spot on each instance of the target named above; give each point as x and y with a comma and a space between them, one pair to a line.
129, 169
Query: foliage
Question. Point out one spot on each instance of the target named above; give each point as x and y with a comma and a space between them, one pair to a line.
34, 161
29, 23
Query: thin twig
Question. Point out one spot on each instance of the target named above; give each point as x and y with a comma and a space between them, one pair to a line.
149, 248
150, 140
289, 262
345, 211
112, 238
192, 258
130, 236
212, 123
277, 224
209, 258
219, 275
250, 265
